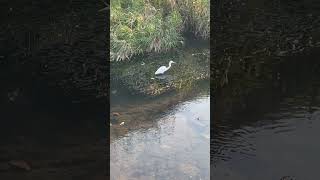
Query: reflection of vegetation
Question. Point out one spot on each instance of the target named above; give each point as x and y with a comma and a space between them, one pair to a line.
154, 25
138, 113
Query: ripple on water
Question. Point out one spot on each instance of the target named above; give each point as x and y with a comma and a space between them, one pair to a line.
176, 147
277, 144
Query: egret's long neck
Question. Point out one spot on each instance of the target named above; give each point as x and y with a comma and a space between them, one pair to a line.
169, 65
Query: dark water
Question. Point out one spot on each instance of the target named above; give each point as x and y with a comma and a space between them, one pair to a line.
161, 138
39, 44
282, 141
58, 140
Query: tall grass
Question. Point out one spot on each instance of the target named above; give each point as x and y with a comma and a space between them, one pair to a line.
140, 26
196, 14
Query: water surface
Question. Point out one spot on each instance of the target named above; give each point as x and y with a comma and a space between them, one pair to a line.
172, 143
282, 142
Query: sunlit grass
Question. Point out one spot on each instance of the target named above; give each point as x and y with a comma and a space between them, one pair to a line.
143, 26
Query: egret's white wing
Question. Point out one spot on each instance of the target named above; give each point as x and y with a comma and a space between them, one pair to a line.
161, 70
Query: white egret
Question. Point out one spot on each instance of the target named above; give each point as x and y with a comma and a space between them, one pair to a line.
163, 69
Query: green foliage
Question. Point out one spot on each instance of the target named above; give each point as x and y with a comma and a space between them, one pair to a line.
196, 14
140, 26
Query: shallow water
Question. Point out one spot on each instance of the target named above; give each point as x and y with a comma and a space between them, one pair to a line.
174, 144
282, 142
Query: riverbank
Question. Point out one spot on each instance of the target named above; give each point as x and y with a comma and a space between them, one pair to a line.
140, 27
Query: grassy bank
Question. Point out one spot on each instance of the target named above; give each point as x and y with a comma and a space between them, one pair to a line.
143, 26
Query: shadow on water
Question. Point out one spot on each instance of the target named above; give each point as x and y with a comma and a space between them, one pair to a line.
275, 133
164, 137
